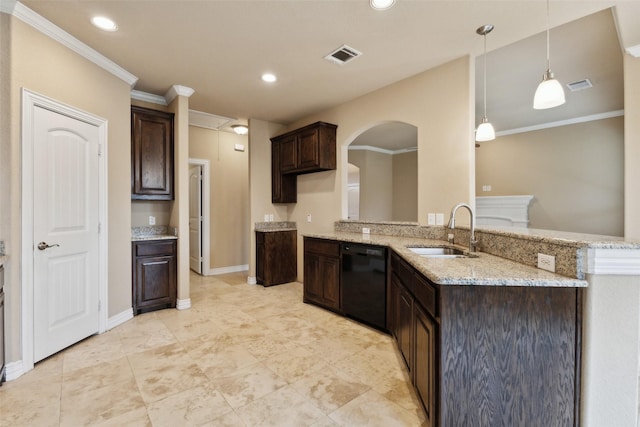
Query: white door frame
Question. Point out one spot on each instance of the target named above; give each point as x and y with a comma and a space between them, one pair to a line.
206, 212
31, 100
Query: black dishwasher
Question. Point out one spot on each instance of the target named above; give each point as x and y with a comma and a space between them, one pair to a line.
364, 283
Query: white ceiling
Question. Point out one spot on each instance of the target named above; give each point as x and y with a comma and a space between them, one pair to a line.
220, 48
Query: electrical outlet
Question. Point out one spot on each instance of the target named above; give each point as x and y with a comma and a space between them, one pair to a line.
439, 219
431, 219
152, 220
547, 262
308, 217
270, 217
486, 187
366, 230
266, 217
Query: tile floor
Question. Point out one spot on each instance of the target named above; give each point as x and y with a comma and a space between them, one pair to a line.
241, 356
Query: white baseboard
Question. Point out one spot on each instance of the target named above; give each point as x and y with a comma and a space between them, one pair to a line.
252, 280
119, 318
230, 269
183, 304
14, 370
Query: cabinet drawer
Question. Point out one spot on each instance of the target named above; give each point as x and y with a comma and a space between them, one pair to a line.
402, 270
322, 247
425, 294
154, 248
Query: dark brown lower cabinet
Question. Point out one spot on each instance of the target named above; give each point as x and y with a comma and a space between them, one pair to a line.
276, 257
322, 272
154, 275
489, 355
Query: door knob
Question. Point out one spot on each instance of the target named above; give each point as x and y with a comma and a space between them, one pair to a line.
43, 245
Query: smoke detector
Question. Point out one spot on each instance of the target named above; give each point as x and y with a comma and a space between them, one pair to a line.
343, 54
579, 85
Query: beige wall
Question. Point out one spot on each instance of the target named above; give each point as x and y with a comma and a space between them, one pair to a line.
632, 146
438, 102
405, 186
376, 184
46, 67
229, 203
575, 173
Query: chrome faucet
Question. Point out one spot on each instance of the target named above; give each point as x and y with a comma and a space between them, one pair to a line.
472, 229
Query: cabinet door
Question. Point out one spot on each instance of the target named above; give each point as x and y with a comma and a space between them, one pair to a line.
284, 188
151, 155
308, 149
312, 277
425, 362
288, 153
405, 323
331, 281
155, 285
260, 257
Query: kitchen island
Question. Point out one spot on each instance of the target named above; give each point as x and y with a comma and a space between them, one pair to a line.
486, 340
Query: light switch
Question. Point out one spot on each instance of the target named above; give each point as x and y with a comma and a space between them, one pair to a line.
152, 220
439, 219
308, 217
266, 217
431, 219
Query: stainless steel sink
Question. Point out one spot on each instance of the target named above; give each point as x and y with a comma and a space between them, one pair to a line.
437, 252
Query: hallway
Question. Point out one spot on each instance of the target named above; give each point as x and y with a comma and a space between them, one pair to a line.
243, 355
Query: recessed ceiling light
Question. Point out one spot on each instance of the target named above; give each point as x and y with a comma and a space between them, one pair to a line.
382, 4
269, 78
104, 23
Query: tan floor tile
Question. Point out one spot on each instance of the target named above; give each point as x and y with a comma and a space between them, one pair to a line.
97, 376
295, 364
192, 407
329, 389
99, 404
269, 345
248, 384
373, 410
164, 371
93, 351
136, 418
228, 420
281, 408
30, 404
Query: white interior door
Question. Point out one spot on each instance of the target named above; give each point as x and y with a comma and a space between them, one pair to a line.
66, 281
195, 218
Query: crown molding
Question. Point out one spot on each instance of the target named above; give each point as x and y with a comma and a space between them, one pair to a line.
614, 261
634, 51
148, 97
573, 121
54, 32
177, 90
7, 6
381, 150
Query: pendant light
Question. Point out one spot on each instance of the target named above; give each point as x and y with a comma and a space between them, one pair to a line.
549, 93
485, 131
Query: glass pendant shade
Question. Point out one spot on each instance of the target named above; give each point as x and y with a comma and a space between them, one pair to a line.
485, 131
549, 93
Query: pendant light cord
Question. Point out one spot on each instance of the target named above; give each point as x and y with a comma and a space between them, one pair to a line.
485, 76
548, 54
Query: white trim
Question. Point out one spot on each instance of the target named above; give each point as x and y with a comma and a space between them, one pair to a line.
30, 100
573, 121
148, 97
381, 150
7, 6
634, 51
183, 304
625, 262
177, 90
230, 269
208, 121
206, 211
51, 30
120, 318
14, 370
252, 280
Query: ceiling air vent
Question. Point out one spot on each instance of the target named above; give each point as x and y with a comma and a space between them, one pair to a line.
343, 54
579, 85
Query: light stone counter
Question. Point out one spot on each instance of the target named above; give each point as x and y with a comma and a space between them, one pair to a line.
152, 232
483, 269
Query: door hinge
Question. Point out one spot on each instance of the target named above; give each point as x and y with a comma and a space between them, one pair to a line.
99, 227
99, 305
99, 150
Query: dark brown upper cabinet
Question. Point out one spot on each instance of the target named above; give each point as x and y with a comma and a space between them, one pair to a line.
309, 149
151, 154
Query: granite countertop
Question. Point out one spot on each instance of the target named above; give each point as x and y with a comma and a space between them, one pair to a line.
482, 270
275, 226
152, 232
